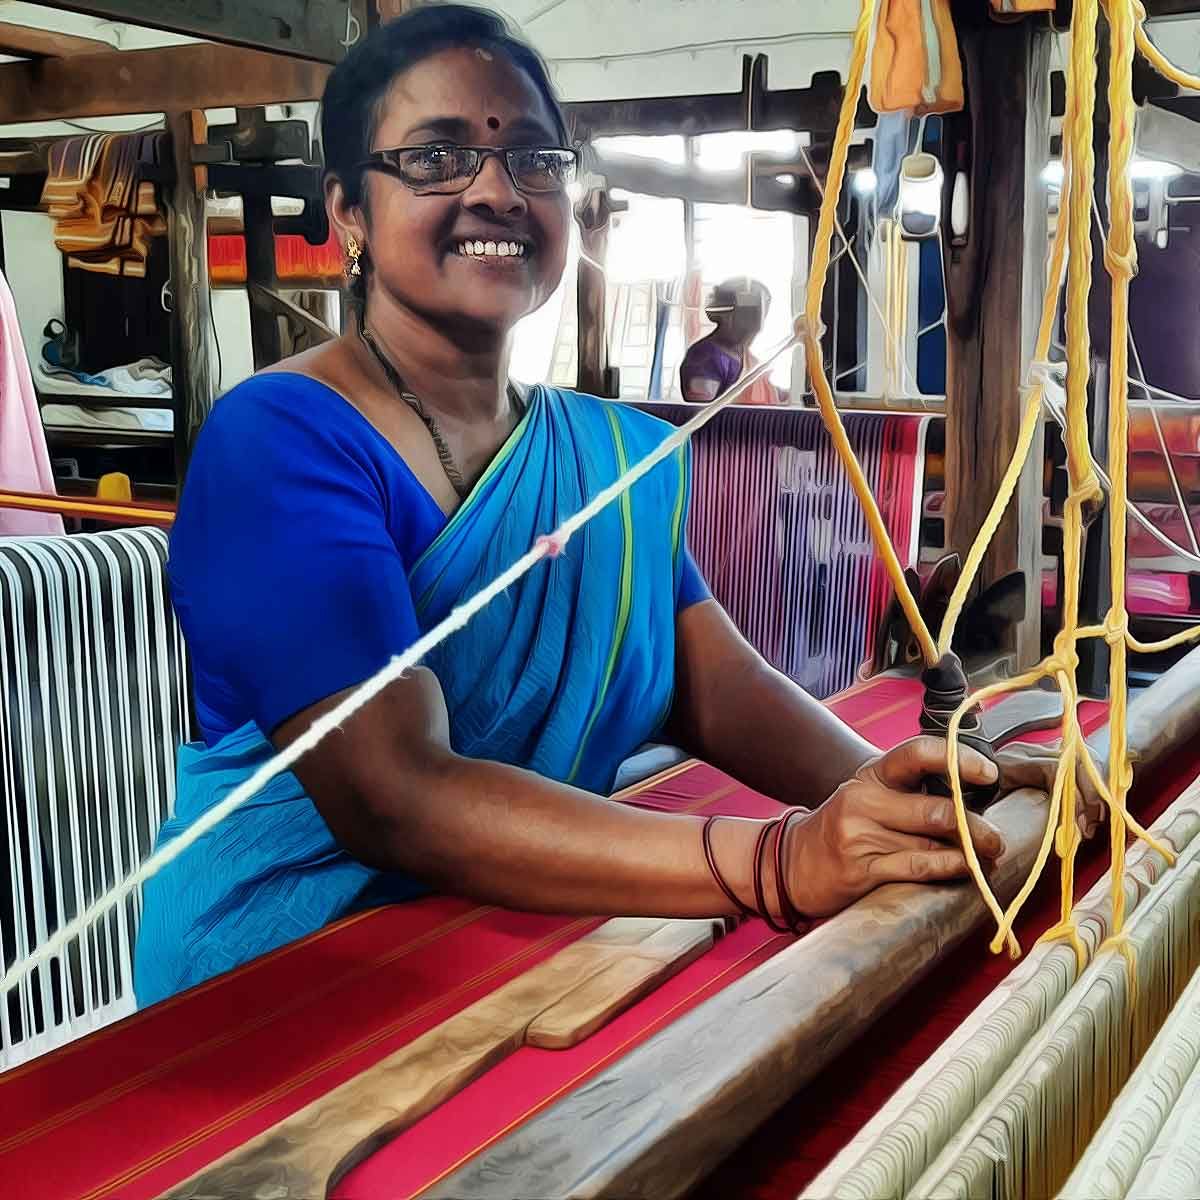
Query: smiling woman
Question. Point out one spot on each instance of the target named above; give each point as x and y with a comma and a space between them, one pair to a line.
348, 499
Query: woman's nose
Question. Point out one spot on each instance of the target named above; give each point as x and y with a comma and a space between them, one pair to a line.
494, 191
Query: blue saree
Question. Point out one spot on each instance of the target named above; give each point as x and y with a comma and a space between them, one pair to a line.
566, 674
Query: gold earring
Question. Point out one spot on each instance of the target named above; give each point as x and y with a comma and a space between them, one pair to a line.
353, 254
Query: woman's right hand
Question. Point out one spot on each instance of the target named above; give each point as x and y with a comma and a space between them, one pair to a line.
877, 828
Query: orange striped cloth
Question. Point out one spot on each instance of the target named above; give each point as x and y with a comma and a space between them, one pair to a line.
105, 214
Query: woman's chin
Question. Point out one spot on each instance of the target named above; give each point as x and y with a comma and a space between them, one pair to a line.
497, 313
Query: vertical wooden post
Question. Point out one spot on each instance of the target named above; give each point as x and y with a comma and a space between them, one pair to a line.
592, 333
995, 285
258, 225
191, 313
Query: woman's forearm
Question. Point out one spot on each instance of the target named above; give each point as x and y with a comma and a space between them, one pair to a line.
770, 734
507, 836
735, 711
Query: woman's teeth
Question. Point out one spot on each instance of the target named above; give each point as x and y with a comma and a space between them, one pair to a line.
492, 249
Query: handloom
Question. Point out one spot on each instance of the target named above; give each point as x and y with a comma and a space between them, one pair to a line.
897, 933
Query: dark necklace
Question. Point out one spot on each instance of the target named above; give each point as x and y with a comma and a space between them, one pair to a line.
453, 474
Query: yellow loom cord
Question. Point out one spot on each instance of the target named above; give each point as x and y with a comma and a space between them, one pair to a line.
808, 326
1120, 260
1126, 17
1154, 56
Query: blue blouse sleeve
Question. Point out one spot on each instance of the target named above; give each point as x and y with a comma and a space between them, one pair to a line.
285, 574
692, 588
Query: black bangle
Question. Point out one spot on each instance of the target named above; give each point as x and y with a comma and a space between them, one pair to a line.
795, 920
759, 887
710, 858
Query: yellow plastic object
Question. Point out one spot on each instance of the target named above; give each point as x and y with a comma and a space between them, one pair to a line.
114, 486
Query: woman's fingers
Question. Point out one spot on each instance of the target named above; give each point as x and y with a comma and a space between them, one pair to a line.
904, 767
919, 866
931, 816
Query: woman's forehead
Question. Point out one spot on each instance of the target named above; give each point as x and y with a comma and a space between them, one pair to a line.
464, 93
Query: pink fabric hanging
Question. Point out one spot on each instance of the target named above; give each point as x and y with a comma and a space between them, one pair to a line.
24, 459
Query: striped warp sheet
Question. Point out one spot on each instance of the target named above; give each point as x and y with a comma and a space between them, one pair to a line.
1137, 1151
783, 543
1171, 1170
1012, 1098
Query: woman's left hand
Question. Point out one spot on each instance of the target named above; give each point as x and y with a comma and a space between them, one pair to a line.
1024, 765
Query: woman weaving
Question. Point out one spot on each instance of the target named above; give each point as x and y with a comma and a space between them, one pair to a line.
344, 501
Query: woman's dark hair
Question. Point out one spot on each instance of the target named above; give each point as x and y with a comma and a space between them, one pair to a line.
350, 108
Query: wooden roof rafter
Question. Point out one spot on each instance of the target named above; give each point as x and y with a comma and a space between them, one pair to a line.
311, 29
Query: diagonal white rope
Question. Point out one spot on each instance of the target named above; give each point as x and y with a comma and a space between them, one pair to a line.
321, 728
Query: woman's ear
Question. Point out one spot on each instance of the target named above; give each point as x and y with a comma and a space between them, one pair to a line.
345, 219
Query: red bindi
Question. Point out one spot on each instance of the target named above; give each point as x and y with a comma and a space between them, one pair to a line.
493, 122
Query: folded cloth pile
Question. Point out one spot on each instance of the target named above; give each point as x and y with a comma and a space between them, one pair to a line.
105, 213
146, 377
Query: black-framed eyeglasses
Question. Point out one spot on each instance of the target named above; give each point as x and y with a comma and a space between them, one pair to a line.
446, 169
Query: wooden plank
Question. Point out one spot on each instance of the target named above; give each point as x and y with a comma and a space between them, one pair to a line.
814, 108
311, 29
995, 285
304, 1156
191, 313
169, 79
659, 1120
46, 43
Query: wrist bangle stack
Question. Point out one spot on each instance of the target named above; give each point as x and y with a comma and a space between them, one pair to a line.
793, 921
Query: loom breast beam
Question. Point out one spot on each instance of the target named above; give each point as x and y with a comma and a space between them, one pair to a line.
553, 1006
950, 1094
1170, 1068
736, 1058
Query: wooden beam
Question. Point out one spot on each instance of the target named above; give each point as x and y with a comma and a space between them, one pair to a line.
313, 29
814, 108
657, 1120
169, 79
29, 42
594, 213
191, 312
995, 287
650, 177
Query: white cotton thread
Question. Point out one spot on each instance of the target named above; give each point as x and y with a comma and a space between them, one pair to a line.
543, 547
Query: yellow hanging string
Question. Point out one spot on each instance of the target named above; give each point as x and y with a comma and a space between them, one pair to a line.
1072, 248
1120, 260
1155, 57
809, 325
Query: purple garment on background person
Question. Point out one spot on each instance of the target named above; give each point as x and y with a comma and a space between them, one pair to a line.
706, 359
